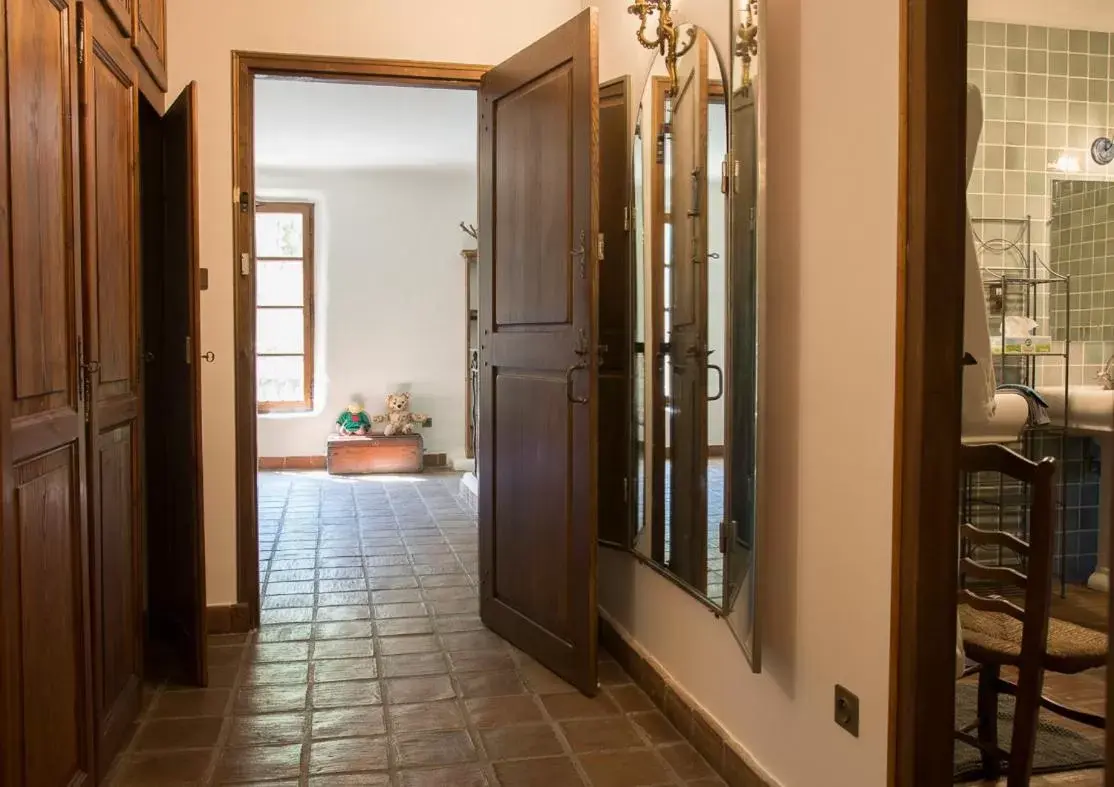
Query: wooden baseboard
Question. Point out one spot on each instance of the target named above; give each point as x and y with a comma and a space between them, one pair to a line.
704, 735
433, 460
228, 619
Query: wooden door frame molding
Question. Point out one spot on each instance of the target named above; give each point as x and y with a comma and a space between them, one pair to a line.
245, 67
931, 258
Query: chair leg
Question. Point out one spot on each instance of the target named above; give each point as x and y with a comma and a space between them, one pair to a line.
989, 675
1025, 722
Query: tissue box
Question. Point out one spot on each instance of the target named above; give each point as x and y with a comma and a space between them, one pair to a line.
1021, 345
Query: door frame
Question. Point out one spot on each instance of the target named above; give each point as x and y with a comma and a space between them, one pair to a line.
931, 215
245, 67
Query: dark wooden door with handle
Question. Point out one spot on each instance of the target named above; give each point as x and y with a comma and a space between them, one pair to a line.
539, 164
109, 151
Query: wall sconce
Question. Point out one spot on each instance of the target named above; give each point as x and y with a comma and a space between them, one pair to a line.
666, 41
746, 43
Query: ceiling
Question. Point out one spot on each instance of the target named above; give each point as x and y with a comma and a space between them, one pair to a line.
303, 124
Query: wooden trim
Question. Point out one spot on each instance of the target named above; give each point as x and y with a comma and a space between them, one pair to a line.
228, 619
245, 67
931, 216
700, 729
306, 210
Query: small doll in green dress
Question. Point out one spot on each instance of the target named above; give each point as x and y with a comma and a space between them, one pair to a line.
354, 420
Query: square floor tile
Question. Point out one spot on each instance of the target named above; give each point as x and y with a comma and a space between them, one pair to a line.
549, 772
414, 664
414, 749
520, 741
625, 769
360, 721
347, 694
425, 689
426, 716
259, 763
267, 730
348, 755
329, 670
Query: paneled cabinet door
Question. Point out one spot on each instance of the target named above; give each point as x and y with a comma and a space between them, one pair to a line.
149, 36
45, 713
121, 11
109, 149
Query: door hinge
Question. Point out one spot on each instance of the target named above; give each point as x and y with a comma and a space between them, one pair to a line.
245, 202
726, 534
725, 176
80, 42
80, 370
599, 247
626, 489
738, 173
752, 219
245, 264
626, 218
189, 350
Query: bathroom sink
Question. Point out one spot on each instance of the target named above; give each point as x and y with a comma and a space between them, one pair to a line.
1091, 407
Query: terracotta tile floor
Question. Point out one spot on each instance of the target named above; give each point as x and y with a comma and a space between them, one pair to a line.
372, 667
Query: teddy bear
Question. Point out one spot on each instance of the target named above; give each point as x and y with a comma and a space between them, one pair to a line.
398, 418
354, 420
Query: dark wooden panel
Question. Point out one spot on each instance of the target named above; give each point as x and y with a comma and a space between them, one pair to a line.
532, 275
149, 37
539, 169
616, 315
109, 150
47, 515
121, 13
175, 539
41, 214
532, 411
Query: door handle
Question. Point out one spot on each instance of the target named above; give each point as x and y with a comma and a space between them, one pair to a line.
209, 357
719, 374
569, 372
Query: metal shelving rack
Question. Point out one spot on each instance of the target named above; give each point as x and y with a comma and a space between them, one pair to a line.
1019, 287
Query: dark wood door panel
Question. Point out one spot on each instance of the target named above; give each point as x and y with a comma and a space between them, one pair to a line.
121, 13
616, 310
149, 37
537, 264
52, 633
42, 212
115, 611
535, 226
109, 151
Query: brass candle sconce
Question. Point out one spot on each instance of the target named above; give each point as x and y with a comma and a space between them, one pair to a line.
666, 41
746, 42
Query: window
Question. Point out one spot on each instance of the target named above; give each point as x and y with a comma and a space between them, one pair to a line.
284, 306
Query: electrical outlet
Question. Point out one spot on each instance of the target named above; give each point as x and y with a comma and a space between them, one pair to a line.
427, 423
847, 710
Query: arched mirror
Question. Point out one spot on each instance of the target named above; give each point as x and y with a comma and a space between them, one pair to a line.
696, 327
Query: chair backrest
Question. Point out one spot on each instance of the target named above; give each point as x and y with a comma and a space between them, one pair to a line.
1036, 553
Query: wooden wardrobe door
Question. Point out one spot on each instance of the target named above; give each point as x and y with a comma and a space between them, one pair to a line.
121, 12
538, 203
149, 36
688, 396
109, 99
616, 318
45, 718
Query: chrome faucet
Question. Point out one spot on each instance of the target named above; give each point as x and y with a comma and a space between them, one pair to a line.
1107, 375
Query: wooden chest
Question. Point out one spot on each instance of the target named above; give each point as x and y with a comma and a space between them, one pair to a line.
374, 454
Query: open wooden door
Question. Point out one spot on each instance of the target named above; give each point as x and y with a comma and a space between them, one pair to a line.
617, 478
538, 356
688, 342
110, 237
176, 533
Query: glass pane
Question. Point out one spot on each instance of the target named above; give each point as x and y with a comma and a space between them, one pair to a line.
278, 234
279, 331
279, 283
280, 379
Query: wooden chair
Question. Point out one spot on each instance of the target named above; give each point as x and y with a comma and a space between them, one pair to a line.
997, 632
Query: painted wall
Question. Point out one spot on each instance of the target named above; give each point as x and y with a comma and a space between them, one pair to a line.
827, 480
202, 36
1077, 14
389, 297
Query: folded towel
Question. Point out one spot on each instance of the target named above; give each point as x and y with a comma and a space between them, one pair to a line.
1038, 407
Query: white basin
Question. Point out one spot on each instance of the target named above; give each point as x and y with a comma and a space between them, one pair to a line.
1091, 407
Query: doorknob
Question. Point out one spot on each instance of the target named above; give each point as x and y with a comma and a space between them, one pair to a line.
209, 357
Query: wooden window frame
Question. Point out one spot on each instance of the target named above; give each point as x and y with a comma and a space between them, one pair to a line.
306, 210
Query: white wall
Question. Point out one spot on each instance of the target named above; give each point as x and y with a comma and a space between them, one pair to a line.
827, 480
390, 297
1075, 14
202, 36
